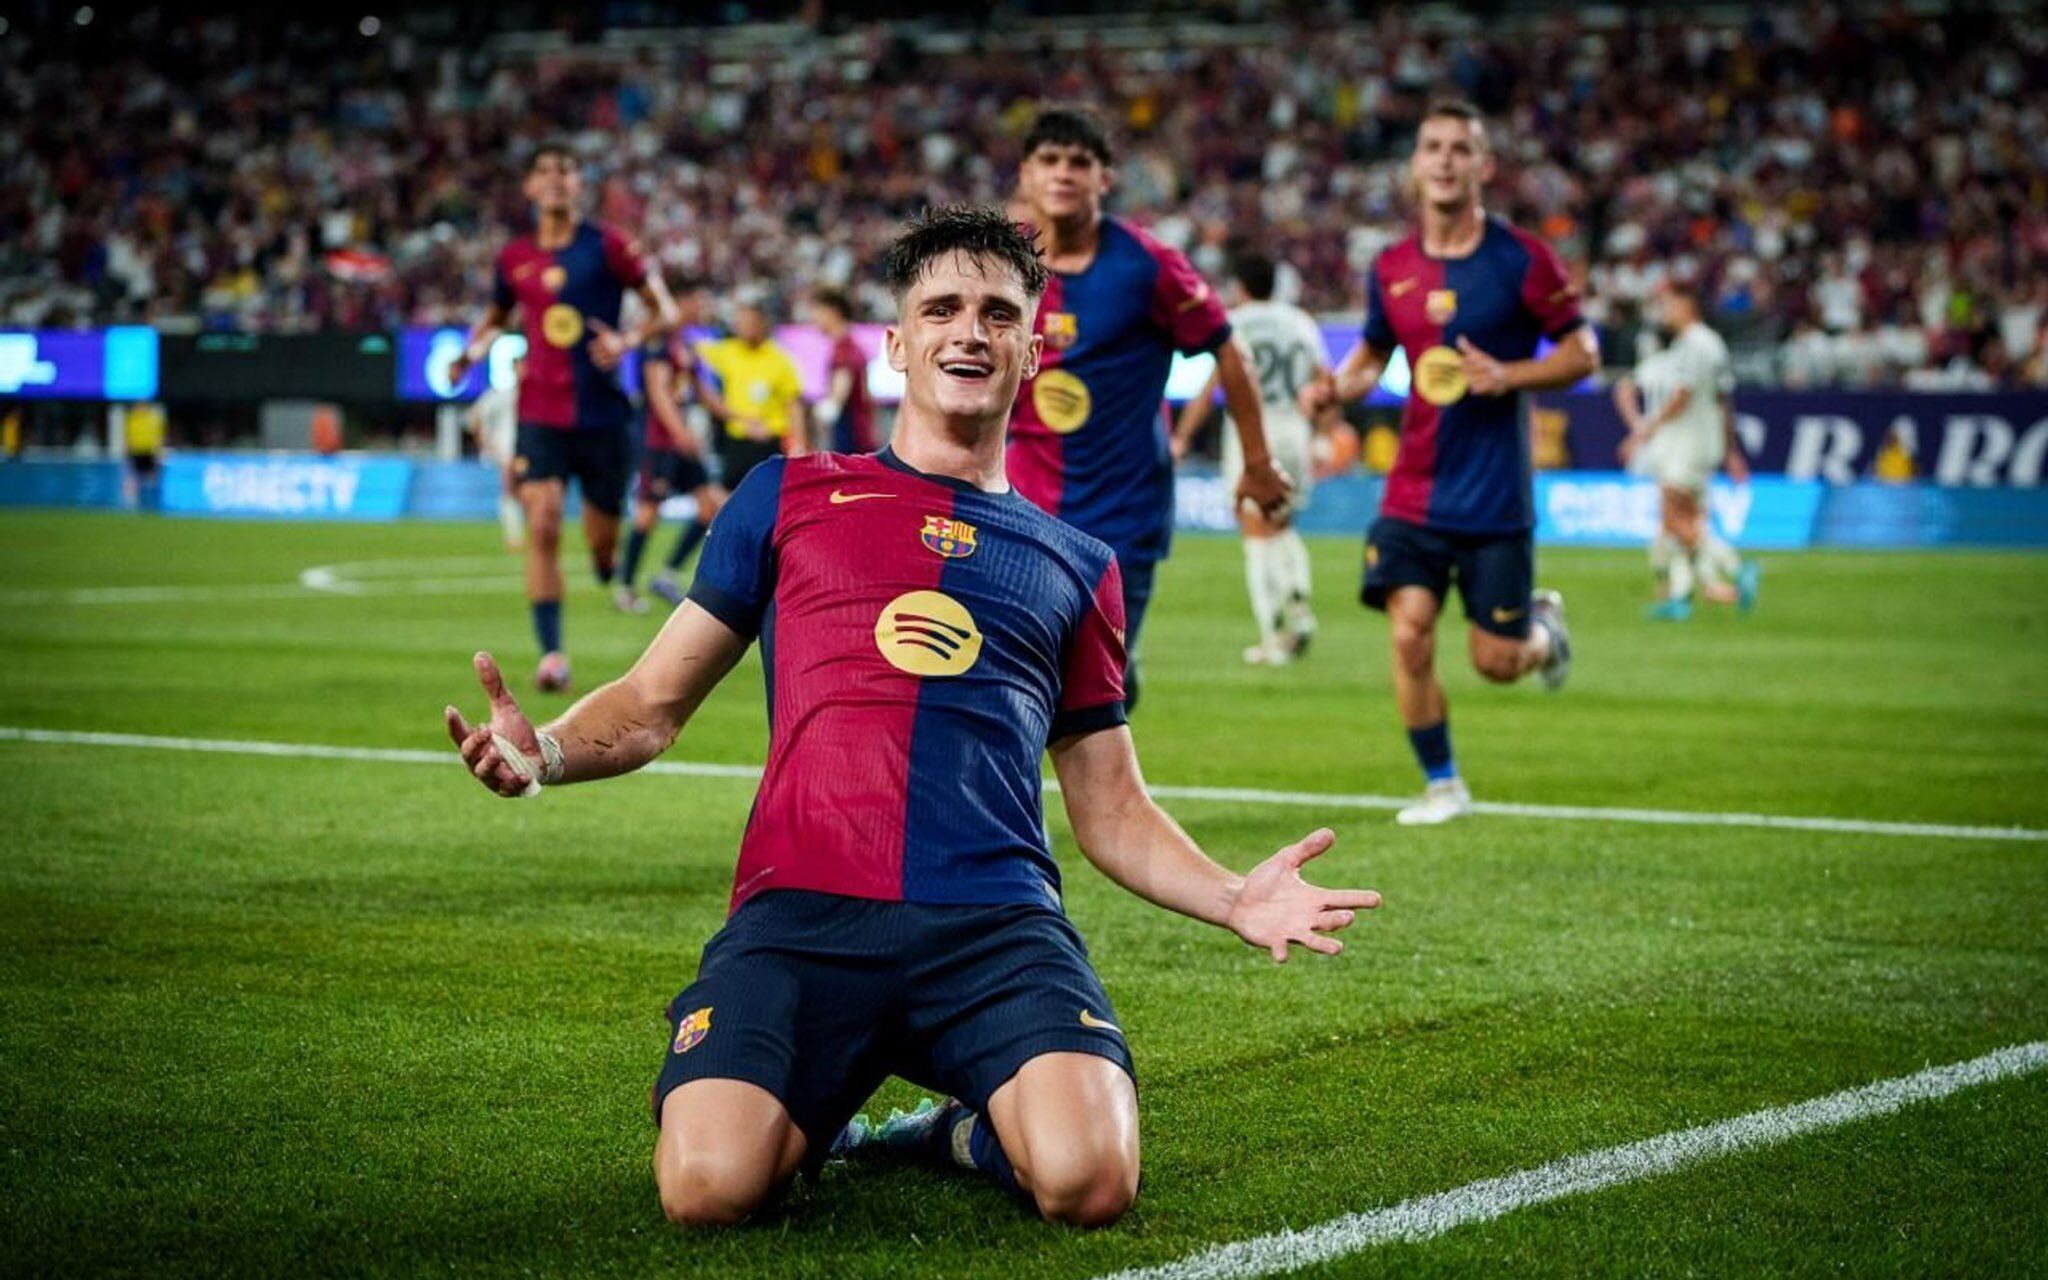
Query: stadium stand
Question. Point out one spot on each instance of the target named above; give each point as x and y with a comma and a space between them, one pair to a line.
1860, 192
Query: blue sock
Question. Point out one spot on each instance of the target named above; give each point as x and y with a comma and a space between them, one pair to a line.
1432, 745
636, 542
986, 1150
547, 625
686, 542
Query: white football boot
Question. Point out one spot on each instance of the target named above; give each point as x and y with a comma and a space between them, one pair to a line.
1443, 801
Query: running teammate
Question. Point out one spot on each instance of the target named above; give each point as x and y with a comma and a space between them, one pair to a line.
1088, 438
1286, 350
848, 412
567, 280
494, 424
1468, 297
1681, 426
928, 637
671, 463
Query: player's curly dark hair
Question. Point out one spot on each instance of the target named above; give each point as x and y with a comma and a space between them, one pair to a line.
1070, 127
975, 230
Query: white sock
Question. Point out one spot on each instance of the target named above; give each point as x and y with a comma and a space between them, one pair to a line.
1262, 584
511, 518
1293, 554
1678, 575
1718, 562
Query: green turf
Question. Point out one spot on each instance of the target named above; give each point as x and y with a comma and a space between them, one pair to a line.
272, 1016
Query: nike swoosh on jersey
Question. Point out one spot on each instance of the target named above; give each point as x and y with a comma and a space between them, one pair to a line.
1090, 1020
840, 496
1400, 287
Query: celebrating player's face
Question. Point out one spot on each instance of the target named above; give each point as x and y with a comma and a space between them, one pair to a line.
963, 339
1063, 182
1451, 162
554, 184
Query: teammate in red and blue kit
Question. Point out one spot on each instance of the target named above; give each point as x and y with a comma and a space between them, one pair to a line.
1089, 438
927, 635
1468, 297
567, 280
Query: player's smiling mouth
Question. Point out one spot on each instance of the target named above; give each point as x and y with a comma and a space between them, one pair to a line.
967, 370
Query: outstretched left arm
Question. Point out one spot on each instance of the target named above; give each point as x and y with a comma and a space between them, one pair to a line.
1137, 845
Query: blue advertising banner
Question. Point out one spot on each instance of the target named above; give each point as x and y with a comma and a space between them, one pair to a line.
98, 364
287, 486
1979, 440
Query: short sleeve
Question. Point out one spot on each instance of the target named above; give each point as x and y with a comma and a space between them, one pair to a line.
1379, 328
1092, 672
1548, 291
736, 577
1184, 305
502, 296
624, 258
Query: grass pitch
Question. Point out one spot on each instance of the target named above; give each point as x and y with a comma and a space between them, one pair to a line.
271, 1016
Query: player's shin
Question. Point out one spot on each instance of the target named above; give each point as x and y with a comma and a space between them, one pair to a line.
629, 567
1263, 586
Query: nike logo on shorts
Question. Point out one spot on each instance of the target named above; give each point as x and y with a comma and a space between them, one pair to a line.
840, 496
1090, 1020
1501, 614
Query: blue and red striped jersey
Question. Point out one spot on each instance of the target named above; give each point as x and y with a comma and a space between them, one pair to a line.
1463, 465
559, 292
1088, 437
923, 642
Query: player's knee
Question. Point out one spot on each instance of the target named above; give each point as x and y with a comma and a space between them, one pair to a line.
1498, 660
707, 1189
1414, 648
1085, 1191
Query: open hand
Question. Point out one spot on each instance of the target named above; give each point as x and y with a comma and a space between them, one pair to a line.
1484, 375
1277, 907
607, 348
479, 743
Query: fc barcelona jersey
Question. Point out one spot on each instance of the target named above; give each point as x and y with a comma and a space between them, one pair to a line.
561, 293
923, 643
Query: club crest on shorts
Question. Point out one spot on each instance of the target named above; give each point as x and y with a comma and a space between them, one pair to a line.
953, 539
690, 1032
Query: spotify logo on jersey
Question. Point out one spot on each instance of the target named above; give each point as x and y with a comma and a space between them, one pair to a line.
927, 633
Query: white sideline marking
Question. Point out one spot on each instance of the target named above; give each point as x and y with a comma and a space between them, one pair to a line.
463, 575
1427, 1217
1239, 795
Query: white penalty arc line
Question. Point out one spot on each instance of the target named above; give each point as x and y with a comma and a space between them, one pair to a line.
1427, 1217
1230, 795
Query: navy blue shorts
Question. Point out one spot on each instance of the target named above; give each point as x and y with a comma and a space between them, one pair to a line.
1495, 572
600, 461
818, 998
665, 473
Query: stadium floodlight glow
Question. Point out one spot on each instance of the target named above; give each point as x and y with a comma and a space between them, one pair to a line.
370, 25
84, 15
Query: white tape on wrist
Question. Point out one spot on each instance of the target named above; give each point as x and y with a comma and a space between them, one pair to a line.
550, 759
523, 766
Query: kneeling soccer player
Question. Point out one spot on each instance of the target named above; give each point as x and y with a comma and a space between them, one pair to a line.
927, 634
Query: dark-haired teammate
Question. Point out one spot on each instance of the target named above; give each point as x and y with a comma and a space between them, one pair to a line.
1089, 435
928, 636
1468, 297
566, 280
847, 412
671, 464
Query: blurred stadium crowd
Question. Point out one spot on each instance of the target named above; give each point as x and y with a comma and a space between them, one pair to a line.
1864, 196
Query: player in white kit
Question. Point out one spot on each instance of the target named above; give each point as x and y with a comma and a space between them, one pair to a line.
494, 423
1681, 431
1285, 348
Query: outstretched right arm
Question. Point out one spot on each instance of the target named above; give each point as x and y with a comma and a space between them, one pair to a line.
611, 731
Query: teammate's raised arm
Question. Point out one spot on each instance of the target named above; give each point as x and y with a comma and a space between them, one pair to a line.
613, 730
1133, 842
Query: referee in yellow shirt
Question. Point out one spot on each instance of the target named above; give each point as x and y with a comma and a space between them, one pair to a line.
760, 398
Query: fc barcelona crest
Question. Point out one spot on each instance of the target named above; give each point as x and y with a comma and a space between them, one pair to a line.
1062, 330
953, 539
1440, 306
